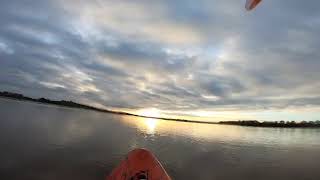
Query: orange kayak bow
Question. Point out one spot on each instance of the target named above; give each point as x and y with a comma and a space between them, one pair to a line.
140, 164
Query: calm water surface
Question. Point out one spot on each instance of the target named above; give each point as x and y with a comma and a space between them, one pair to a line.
44, 142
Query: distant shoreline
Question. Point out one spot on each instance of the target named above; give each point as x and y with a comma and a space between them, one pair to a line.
277, 124
251, 123
71, 104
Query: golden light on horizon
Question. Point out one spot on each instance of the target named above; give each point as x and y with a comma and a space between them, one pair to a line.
149, 112
203, 132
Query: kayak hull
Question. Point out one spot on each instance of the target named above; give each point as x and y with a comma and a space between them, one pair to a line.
139, 161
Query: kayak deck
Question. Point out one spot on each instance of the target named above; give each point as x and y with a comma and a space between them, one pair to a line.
139, 164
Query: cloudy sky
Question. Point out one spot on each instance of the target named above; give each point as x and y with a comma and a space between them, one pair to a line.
180, 58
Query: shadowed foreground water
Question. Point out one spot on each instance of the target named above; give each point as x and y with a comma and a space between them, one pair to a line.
43, 142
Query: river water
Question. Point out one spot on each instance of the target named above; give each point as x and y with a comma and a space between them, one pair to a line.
45, 142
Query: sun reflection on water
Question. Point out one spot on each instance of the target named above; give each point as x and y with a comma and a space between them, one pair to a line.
196, 131
151, 125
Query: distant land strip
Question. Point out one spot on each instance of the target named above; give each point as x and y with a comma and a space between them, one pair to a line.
251, 123
71, 104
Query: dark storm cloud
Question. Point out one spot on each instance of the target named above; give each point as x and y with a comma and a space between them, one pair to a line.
173, 55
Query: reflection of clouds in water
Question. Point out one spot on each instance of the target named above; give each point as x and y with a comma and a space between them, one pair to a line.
223, 133
65, 126
74, 130
53, 142
198, 132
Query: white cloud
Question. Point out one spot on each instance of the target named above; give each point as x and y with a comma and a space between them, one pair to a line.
182, 56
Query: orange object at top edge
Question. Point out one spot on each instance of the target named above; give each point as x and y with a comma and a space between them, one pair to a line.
139, 162
251, 4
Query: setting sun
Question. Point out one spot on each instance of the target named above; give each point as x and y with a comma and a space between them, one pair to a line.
149, 112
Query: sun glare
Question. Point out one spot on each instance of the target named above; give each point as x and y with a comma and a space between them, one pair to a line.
150, 112
151, 125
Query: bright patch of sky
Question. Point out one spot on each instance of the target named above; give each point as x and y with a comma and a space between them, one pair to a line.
207, 58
